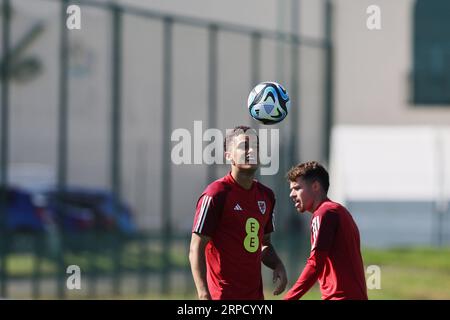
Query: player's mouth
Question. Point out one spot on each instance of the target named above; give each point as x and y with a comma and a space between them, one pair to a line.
250, 159
297, 204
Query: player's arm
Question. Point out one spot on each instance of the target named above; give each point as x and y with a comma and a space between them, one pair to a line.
206, 219
308, 277
198, 264
316, 261
272, 261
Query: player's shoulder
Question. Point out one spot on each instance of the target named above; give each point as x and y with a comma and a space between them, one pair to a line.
218, 187
330, 207
265, 189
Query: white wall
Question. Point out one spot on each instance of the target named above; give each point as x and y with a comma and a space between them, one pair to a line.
390, 163
395, 180
372, 67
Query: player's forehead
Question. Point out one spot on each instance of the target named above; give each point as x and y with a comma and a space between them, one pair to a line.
298, 183
247, 137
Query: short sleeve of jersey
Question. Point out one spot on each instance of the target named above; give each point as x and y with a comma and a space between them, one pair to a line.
323, 230
207, 214
270, 225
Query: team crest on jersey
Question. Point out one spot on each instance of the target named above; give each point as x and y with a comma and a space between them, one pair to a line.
262, 206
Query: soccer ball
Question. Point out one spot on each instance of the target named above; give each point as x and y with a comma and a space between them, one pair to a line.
268, 103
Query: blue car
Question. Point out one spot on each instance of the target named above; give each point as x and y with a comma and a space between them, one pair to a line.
81, 209
76, 210
25, 211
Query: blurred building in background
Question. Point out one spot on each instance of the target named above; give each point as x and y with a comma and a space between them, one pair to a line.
391, 142
202, 56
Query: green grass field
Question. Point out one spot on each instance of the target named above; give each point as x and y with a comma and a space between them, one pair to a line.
406, 274
415, 273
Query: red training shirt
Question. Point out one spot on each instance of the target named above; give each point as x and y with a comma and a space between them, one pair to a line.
335, 258
236, 219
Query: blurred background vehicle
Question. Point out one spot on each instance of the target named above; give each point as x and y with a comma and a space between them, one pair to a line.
34, 204
79, 209
27, 212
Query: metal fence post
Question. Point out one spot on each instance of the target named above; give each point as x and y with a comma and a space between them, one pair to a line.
255, 66
95, 242
212, 89
166, 201
37, 266
142, 240
328, 121
294, 91
116, 131
62, 135
295, 125
4, 142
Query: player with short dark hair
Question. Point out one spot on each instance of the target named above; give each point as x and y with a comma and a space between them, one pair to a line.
232, 227
335, 259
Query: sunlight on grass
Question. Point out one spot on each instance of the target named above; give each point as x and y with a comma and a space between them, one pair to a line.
412, 273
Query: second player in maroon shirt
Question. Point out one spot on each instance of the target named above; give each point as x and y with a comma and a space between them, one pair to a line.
335, 259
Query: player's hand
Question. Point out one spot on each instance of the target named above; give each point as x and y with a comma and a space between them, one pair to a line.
204, 296
279, 276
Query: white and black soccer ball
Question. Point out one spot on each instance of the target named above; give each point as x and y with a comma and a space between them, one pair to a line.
268, 102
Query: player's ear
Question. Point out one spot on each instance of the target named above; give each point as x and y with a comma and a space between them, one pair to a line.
316, 186
229, 156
